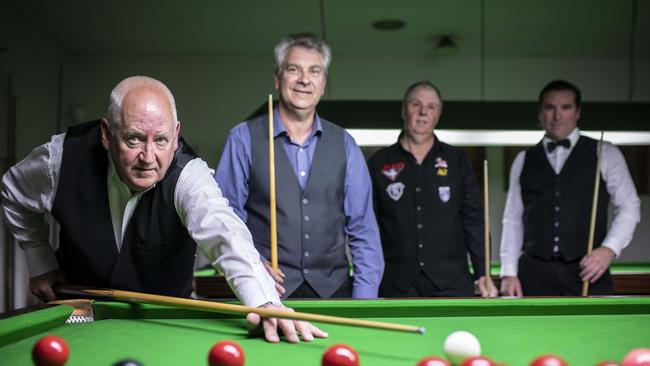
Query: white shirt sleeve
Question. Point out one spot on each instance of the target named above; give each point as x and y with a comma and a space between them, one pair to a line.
623, 197
222, 235
28, 191
512, 234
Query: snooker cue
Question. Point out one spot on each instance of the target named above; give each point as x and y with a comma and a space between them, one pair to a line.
219, 307
486, 227
274, 223
594, 208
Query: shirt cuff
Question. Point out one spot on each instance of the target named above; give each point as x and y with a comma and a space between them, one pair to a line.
364, 292
509, 269
40, 259
256, 297
256, 287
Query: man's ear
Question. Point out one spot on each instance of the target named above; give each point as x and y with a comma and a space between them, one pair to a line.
106, 134
177, 134
276, 78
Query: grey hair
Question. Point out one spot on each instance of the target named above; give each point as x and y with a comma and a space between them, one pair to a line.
309, 41
114, 114
422, 84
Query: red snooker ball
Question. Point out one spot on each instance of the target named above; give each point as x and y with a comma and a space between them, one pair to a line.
477, 361
637, 357
548, 360
433, 361
50, 351
226, 353
340, 355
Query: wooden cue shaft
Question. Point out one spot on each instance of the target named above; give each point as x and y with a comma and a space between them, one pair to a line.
594, 208
274, 223
486, 226
219, 307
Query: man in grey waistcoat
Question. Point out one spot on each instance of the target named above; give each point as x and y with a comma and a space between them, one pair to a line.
323, 189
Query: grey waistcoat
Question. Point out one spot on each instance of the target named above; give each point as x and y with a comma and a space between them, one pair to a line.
310, 222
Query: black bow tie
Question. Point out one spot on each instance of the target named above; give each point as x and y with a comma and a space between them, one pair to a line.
552, 145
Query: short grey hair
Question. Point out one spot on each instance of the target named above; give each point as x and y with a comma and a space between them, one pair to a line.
422, 84
309, 41
114, 114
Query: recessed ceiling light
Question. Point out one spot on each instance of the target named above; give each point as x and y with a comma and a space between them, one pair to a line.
446, 43
389, 24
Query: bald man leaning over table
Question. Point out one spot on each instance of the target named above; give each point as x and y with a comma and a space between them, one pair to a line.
133, 201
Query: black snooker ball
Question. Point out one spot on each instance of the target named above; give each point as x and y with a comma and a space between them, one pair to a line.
127, 363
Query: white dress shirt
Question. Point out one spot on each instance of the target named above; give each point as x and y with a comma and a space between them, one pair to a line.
29, 189
620, 187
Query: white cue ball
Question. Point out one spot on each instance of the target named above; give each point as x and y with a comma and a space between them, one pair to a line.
460, 345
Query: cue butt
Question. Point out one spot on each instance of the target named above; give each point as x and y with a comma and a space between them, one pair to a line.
594, 208
272, 198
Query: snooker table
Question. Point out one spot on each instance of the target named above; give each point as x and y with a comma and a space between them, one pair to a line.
583, 331
628, 278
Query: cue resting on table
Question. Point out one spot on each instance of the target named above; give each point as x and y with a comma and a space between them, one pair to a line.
139, 297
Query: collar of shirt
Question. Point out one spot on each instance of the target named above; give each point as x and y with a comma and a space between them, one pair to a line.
121, 202
279, 129
436, 148
558, 156
573, 137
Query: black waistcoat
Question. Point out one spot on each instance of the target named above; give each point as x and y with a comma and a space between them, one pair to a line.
311, 237
557, 207
157, 254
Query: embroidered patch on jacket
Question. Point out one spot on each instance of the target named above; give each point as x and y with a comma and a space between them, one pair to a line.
442, 166
392, 170
445, 193
441, 163
395, 190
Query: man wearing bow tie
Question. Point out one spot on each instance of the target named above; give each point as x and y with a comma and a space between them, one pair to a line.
548, 209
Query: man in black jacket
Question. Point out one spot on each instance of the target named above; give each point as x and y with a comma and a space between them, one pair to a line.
428, 208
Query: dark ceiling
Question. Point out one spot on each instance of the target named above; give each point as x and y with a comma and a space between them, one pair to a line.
500, 28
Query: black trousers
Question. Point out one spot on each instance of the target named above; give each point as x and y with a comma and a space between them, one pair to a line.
557, 277
305, 291
422, 286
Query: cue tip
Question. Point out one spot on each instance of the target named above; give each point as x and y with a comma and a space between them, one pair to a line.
421, 330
